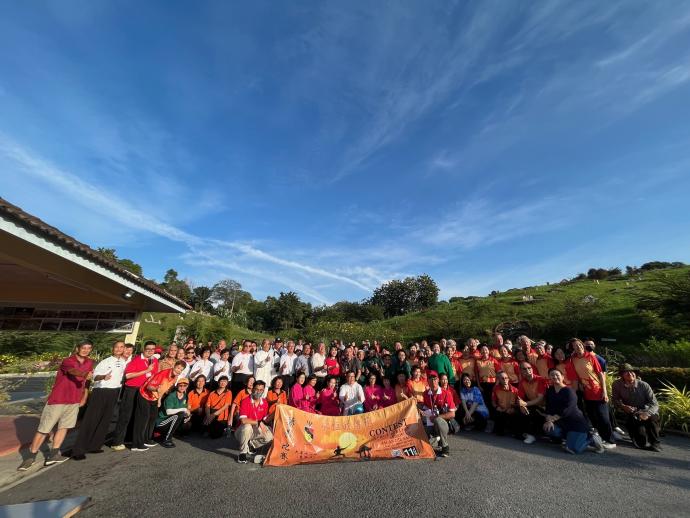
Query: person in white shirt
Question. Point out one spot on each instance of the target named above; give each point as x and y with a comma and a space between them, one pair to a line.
351, 395
107, 380
241, 368
222, 365
222, 346
190, 360
287, 365
318, 365
264, 359
202, 366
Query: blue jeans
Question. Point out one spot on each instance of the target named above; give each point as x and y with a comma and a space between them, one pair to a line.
575, 441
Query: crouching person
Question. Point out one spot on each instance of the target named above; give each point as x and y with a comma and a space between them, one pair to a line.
252, 431
438, 410
173, 413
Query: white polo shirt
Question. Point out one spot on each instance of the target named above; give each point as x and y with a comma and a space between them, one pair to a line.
116, 366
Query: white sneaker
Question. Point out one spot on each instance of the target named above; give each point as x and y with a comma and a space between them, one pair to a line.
259, 459
529, 439
597, 444
150, 444
140, 449
609, 445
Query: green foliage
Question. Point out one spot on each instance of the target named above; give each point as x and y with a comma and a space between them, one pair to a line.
201, 298
398, 297
350, 332
668, 299
28, 343
178, 287
657, 376
674, 407
661, 353
348, 312
127, 264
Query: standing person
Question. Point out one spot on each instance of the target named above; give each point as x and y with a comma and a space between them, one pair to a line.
168, 362
507, 364
128, 354
351, 395
148, 400
440, 363
318, 365
252, 431
263, 363
563, 365
303, 361
222, 366
327, 401
296, 398
438, 409
544, 361
525, 345
218, 408
137, 372
173, 412
203, 366
373, 394
63, 404
587, 370
107, 381
190, 360
563, 419
287, 365
310, 395
332, 363
348, 363
637, 400
222, 346
487, 367
242, 367
276, 396
400, 363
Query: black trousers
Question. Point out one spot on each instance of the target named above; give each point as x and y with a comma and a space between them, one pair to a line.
168, 426
216, 428
94, 426
288, 381
144, 421
126, 411
479, 421
512, 423
598, 414
643, 432
487, 391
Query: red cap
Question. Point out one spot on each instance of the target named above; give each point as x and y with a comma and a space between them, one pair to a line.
159, 350
431, 374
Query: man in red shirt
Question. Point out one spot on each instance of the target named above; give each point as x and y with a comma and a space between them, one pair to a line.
149, 396
509, 409
438, 408
532, 390
138, 371
252, 431
63, 404
586, 369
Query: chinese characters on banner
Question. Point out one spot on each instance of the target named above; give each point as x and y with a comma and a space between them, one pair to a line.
303, 438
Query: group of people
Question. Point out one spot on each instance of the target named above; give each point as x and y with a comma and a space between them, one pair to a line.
529, 389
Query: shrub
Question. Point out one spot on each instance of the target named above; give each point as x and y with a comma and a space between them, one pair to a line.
660, 353
674, 407
657, 377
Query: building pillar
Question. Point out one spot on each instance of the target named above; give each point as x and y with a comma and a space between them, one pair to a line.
131, 338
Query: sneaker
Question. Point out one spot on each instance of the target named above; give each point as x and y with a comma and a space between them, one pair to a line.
118, 447
445, 451
609, 445
140, 449
150, 444
529, 439
489, 426
259, 459
597, 444
55, 457
242, 458
28, 462
168, 444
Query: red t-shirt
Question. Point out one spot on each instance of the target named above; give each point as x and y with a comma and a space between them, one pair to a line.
586, 370
529, 390
249, 410
328, 402
442, 400
332, 366
68, 389
487, 369
138, 364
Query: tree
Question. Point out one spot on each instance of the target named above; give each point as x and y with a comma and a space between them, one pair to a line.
285, 312
178, 287
426, 292
201, 298
225, 293
668, 297
398, 297
127, 264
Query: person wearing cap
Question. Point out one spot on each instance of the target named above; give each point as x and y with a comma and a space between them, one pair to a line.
252, 431
63, 404
637, 400
172, 413
107, 381
438, 409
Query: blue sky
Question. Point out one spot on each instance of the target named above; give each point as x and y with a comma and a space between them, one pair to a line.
326, 147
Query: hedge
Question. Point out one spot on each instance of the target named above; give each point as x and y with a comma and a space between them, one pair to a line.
677, 376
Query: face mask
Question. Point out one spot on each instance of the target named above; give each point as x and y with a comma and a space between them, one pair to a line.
256, 395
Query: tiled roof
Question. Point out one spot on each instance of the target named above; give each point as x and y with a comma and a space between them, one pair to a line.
54, 235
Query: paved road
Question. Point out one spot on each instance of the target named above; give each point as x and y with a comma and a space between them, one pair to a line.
485, 476
24, 387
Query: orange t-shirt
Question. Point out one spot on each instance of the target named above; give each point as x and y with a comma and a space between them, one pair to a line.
418, 388
239, 397
510, 367
275, 399
217, 401
196, 400
468, 367
587, 369
486, 370
504, 398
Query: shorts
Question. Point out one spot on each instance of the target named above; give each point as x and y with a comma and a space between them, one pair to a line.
65, 416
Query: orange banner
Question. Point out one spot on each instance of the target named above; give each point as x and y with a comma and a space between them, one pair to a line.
395, 432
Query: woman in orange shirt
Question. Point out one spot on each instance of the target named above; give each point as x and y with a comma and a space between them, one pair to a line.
403, 390
276, 396
196, 404
217, 404
562, 364
417, 385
